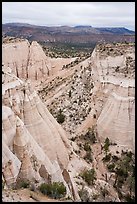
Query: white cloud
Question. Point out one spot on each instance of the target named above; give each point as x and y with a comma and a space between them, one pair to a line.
96, 14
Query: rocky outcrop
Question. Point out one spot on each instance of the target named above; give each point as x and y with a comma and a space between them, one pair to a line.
35, 147
99, 93
26, 60
10, 165
116, 74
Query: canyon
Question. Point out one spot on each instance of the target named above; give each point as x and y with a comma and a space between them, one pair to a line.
96, 99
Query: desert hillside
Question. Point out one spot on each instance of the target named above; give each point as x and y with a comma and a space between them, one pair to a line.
68, 34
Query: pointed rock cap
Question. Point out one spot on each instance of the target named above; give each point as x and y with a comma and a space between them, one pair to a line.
26, 170
6, 68
30, 87
26, 97
14, 101
21, 138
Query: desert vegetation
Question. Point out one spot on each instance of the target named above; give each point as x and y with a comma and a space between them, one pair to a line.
89, 176
54, 190
66, 50
124, 169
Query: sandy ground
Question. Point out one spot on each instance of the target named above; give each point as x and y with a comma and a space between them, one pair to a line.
25, 195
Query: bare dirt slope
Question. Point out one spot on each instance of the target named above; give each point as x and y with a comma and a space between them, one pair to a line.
25, 195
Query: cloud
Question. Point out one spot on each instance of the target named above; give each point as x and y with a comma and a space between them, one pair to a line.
96, 14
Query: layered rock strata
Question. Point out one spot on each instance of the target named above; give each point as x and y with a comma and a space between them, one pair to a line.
116, 74
99, 92
34, 145
28, 61
31, 61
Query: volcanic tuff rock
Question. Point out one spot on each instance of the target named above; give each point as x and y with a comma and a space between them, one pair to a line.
99, 85
35, 147
28, 61
96, 93
99, 92
31, 61
117, 119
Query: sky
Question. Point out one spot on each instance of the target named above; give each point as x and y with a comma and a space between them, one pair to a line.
96, 14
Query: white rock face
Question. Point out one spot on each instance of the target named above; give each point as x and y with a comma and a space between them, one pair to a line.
37, 122
10, 165
35, 147
26, 60
117, 119
102, 86
121, 127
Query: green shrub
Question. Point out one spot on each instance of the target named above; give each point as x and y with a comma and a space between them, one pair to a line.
89, 176
115, 158
54, 190
60, 117
122, 171
124, 174
111, 167
106, 145
88, 157
107, 158
129, 154
129, 198
120, 182
24, 184
73, 139
87, 147
90, 135
69, 93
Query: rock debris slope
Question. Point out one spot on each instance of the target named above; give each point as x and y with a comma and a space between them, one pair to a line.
99, 92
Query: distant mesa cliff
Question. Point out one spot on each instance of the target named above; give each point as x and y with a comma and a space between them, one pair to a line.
68, 34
